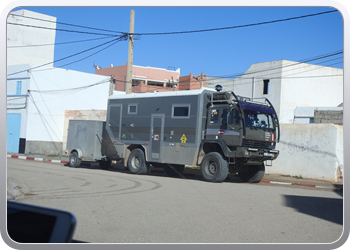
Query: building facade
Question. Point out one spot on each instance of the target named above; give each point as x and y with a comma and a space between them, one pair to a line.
150, 79
38, 99
22, 36
289, 85
37, 102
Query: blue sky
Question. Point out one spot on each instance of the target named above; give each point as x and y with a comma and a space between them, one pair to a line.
216, 53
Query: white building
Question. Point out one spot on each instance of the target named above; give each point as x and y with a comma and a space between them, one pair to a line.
23, 35
289, 85
37, 100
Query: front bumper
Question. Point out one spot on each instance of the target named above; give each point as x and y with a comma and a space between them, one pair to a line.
256, 154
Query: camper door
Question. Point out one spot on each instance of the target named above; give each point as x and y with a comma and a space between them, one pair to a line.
157, 135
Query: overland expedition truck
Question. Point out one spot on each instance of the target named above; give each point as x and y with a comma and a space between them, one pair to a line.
217, 130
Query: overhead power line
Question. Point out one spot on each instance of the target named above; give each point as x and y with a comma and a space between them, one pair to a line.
54, 44
121, 38
238, 26
57, 91
74, 25
176, 32
48, 28
125, 35
280, 67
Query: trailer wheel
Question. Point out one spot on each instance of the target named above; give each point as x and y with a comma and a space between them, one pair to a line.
254, 175
173, 170
74, 160
105, 164
214, 168
137, 162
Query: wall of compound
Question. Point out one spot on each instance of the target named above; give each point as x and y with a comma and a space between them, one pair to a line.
310, 151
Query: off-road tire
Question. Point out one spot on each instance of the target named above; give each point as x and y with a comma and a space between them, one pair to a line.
255, 175
214, 168
137, 162
74, 160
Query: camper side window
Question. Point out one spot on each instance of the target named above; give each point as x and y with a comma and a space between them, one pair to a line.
181, 111
132, 109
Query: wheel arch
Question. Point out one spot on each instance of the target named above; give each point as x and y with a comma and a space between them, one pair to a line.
78, 151
131, 148
208, 146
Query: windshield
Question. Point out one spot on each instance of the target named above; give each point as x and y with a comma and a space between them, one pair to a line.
259, 120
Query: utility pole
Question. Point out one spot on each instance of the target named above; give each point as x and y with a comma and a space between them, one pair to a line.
253, 86
111, 85
128, 84
202, 80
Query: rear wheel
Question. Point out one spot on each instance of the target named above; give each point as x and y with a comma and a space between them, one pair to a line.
137, 162
214, 168
253, 174
74, 160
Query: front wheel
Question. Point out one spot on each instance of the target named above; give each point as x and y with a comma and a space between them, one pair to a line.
74, 160
214, 168
137, 162
253, 174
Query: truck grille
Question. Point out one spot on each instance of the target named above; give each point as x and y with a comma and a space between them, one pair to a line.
256, 144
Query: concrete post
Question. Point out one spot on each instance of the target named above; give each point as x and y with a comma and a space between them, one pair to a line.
128, 84
202, 80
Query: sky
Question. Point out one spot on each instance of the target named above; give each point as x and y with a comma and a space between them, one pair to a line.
219, 53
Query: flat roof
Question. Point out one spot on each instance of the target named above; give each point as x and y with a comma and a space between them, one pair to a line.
123, 95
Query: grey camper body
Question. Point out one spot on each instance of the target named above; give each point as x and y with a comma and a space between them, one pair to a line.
169, 130
168, 126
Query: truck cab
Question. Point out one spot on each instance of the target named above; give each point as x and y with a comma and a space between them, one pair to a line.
244, 132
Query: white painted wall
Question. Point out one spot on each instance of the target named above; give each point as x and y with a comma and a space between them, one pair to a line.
309, 150
300, 88
17, 104
60, 90
292, 85
253, 88
23, 36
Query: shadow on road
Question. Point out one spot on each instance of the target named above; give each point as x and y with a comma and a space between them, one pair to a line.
330, 209
195, 174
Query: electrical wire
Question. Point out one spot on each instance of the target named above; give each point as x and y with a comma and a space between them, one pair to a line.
74, 31
74, 25
235, 27
54, 44
293, 69
180, 32
121, 38
280, 67
46, 124
64, 91
45, 104
81, 58
126, 34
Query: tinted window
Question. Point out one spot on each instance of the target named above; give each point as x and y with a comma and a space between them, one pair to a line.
181, 111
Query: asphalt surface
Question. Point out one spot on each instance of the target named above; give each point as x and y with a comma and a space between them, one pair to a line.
114, 206
14, 190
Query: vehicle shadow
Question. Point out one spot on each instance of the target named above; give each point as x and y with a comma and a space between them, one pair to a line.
189, 173
330, 209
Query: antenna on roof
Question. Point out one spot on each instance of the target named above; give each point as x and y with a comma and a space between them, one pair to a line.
96, 66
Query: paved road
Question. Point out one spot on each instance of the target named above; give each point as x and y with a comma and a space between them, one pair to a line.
117, 207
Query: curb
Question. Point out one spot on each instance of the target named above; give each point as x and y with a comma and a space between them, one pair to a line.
304, 185
262, 181
36, 159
